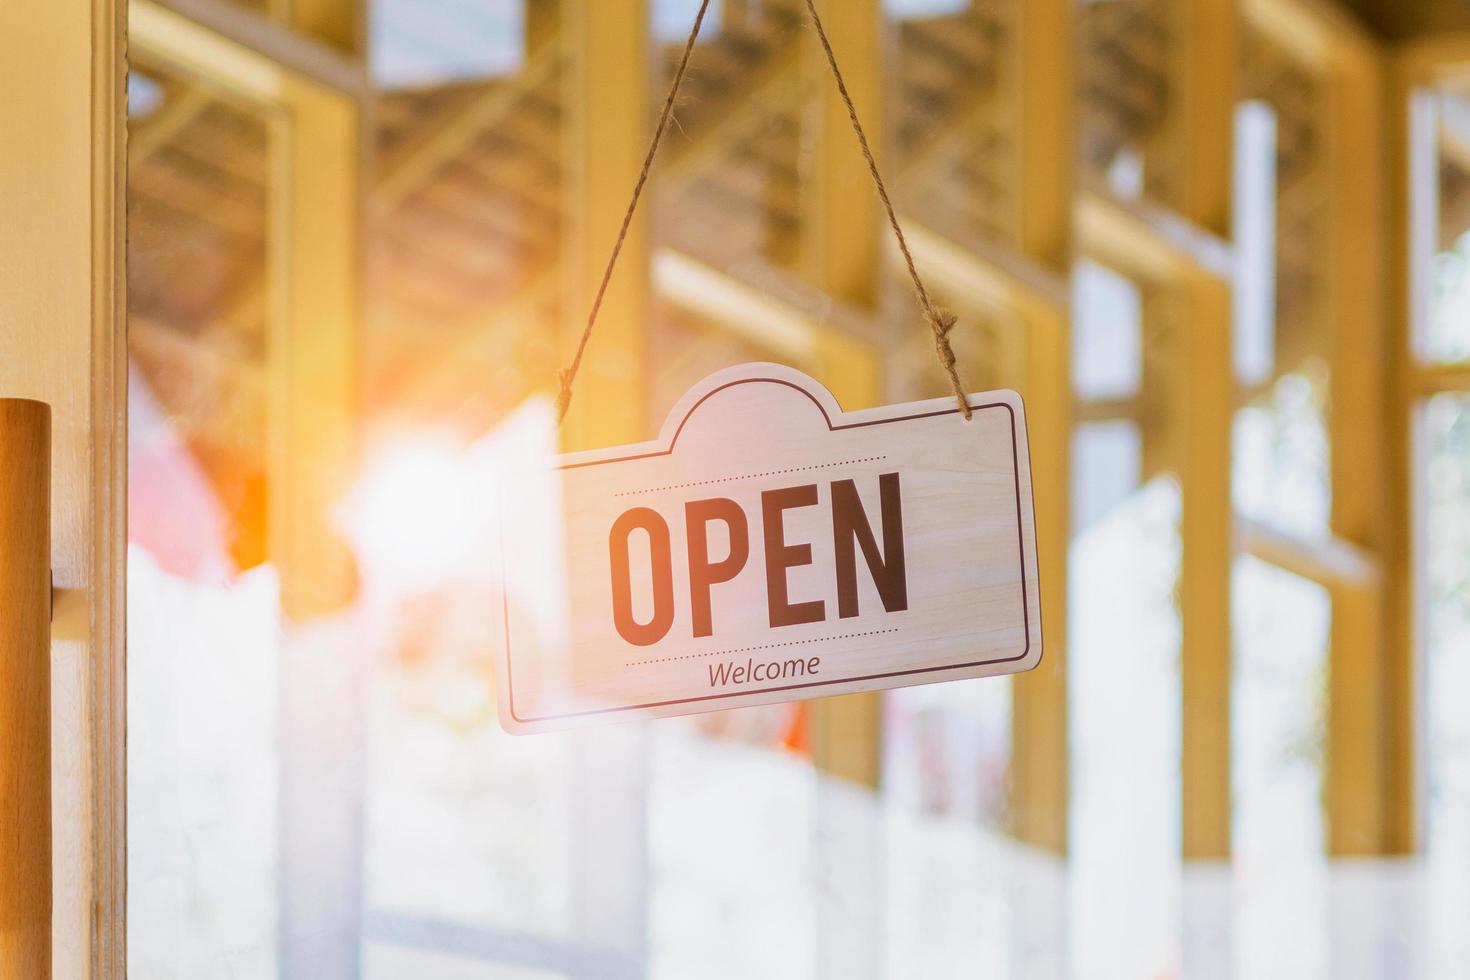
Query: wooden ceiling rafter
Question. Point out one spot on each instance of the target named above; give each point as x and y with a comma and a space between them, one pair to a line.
460, 124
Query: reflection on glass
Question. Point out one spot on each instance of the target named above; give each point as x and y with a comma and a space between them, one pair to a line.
429, 43
947, 750
673, 19
1280, 454
204, 621
925, 8
1278, 719
1107, 457
1124, 908
449, 796
1445, 496
1254, 307
202, 774
948, 890
1107, 346
731, 829
1447, 333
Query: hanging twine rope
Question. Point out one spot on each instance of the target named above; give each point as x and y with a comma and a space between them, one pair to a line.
940, 320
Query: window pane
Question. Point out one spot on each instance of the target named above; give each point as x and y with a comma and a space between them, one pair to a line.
204, 619
1446, 331
1278, 731
1255, 241
1108, 457
732, 822
1125, 872
1107, 351
1445, 564
424, 43
1281, 454
949, 890
674, 19
925, 8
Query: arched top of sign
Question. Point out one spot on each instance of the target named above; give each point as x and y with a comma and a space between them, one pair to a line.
803, 386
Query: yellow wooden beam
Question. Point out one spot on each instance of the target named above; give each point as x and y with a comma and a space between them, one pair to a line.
62, 315
840, 249
606, 129
1327, 561
1193, 266
1205, 406
1358, 768
1047, 129
808, 336
841, 253
232, 46
1431, 379
992, 278
1039, 741
1412, 171
1317, 33
339, 23
1046, 120
1434, 59
1198, 137
312, 352
1149, 242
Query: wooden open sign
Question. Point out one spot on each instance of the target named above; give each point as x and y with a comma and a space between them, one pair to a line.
769, 546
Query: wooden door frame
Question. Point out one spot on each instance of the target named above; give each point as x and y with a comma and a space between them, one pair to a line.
62, 305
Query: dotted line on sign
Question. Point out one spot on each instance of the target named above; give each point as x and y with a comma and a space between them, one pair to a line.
751, 476
765, 646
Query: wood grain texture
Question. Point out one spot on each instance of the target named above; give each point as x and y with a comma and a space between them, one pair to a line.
25, 689
741, 443
62, 296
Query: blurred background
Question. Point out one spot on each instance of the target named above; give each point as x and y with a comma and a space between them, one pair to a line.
1221, 246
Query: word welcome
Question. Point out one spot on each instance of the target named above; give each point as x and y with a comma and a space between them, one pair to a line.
851, 530
727, 673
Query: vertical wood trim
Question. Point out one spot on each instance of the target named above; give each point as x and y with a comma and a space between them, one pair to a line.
316, 161
1401, 677
109, 457
1047, 130
340, 23
1356, 776
25, 689
315, 272
842, 252
1046, 123
61, 97
607, 125
1204, 71
607, 121
1205, 408
1040, 770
